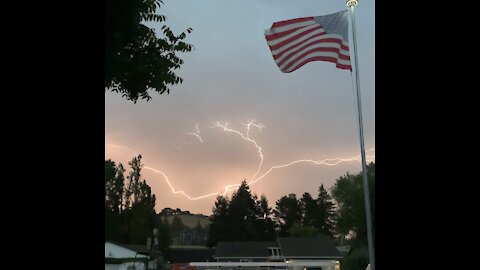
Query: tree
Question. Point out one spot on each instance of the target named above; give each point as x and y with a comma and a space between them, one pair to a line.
164, 236
129, 208
355, 262
136, 60
142, 209
177, 224
114, 186
298, 230
326, 213
309, 210
134, 178
114, 189
349, 195
265, 224
287, 213
243, 218
219, 227
242, 214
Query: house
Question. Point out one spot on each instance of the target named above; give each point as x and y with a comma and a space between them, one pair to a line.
309, 249
296, 253
194, 227
127, 257
186, 254
255, 251
344, 250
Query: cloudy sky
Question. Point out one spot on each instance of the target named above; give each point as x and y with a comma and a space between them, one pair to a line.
231, 77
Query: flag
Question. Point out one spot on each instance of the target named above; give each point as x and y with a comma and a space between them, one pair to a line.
298, 41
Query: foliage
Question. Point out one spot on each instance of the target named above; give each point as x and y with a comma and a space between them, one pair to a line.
136, 60
354, 262
242, 215
288, 212
264, 220
309, 210
177, 224
164, 235
349, 196
306, 212
298, 230
219, 227
326, 213
129, 204
243, 218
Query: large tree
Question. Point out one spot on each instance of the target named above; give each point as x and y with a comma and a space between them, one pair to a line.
264, 222
114, 192
287, 213
326, 213
164, 237
309, 210
129, 205
349, 195
219, 227
243, 218
136, 60
114, 186
298, 230
243, 215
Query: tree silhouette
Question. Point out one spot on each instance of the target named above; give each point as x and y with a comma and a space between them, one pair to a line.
136, 60
326, 213
348, 193
287, 213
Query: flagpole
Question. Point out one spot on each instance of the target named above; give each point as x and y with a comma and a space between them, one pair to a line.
351, 4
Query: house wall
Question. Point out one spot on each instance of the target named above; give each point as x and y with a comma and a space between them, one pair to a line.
238, 259
112, 266
326, 264
190, 237
115, 251
138, 266
125, 266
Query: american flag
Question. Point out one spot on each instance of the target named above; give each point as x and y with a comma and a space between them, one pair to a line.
298, 41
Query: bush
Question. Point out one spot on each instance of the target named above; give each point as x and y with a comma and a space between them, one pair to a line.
354, 262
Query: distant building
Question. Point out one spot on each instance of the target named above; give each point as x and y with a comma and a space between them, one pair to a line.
194, 229
296, 253
344, 250
251, 251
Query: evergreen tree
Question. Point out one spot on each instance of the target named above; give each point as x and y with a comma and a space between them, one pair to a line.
326, 213
219, 227
242, 214
309, 210
287, 213
265, 225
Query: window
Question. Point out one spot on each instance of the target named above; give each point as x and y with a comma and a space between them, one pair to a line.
274, 251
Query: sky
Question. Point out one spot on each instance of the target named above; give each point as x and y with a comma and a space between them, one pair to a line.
231, 77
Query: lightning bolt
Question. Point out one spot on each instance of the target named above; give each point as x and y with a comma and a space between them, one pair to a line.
167, 180
246, 137
326, 162
196, 133
254, 179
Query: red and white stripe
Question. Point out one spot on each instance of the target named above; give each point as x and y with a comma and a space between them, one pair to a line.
298, 41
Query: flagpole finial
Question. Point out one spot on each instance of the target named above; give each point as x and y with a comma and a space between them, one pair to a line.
352, 3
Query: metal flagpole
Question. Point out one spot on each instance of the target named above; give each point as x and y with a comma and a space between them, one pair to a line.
351, 4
